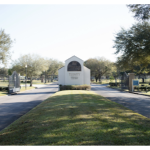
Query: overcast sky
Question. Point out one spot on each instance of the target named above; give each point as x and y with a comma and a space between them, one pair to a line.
60, 31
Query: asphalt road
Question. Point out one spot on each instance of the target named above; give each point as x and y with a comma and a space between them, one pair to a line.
14, 106
135, 102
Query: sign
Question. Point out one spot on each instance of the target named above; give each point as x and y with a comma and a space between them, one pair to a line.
74, 75
135, 82
74, 66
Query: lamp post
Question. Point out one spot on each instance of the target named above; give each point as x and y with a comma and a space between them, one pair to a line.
45, 77
26, 76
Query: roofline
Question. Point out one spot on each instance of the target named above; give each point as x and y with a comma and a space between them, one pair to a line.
87, 68
61, 67
73, 56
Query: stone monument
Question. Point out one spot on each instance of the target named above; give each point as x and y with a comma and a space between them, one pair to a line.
74, 72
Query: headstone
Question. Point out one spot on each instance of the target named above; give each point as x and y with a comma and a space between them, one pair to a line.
14, 83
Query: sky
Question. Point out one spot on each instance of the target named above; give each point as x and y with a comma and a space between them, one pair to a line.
60, 31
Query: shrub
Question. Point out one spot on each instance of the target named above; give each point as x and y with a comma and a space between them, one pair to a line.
3, 88
24, 81
74, 87
114, 84
142, 88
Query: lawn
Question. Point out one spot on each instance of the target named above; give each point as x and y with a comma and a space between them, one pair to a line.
104, 81
36, 82
3, 84
3, 93
78, 118
28, 88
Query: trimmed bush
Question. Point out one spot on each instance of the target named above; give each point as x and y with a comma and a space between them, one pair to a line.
142, 88
114, 84
74, 87
24, 81
3, 88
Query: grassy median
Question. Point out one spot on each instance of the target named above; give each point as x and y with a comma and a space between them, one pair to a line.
78, 117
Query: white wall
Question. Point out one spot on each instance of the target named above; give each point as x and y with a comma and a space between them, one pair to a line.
74, 77
86, 76
61, 76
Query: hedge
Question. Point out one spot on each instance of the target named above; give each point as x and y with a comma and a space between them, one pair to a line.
3, 88
74, 87
142, 88
24, 81
114, 84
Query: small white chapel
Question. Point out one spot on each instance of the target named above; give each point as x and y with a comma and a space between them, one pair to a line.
74, 72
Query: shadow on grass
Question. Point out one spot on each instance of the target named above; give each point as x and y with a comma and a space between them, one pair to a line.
78, 119
3, 93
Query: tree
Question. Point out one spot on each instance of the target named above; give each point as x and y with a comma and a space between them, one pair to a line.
35, 65
9, 72
142, 11
3, 71
138, 67
115, 71
98, 67
53, 66
133, 44
5, 44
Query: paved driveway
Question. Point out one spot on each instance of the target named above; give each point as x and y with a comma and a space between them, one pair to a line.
135, 102
14, 106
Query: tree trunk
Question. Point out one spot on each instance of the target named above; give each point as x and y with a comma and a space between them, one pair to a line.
99, 78
143, 80
30, 81
96, 78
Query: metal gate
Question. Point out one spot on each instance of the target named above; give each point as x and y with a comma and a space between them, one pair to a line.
14, 83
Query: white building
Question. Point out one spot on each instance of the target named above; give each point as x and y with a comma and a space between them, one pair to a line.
74, 73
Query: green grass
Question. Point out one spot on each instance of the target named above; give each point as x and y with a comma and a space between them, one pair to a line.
5, 84
78, 118
104, 81
36, 82
28, 88
144, 93
3, 93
